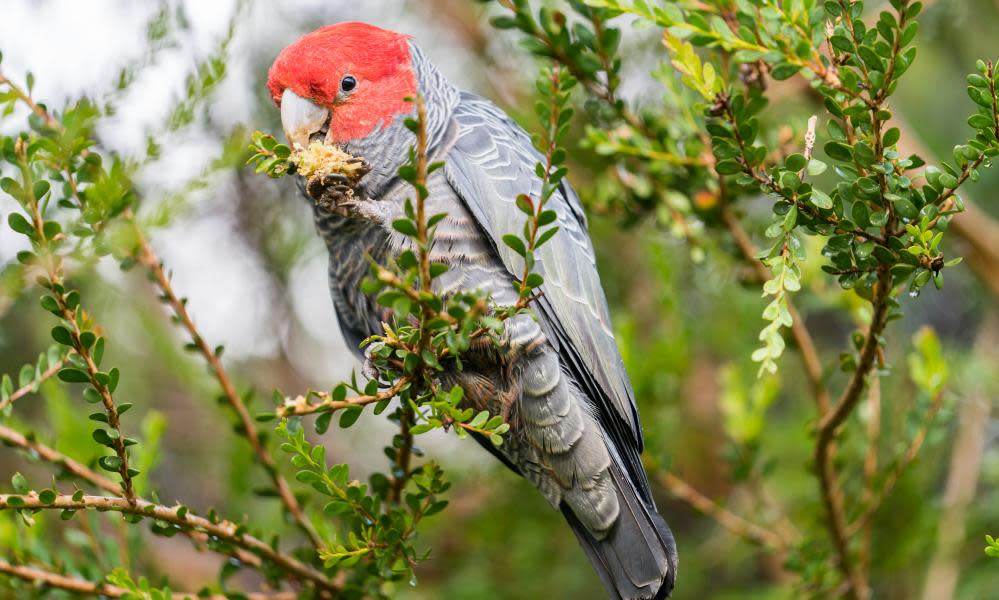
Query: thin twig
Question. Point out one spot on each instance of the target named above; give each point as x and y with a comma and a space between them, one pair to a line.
299, 406
727, 519
27, 389
78, 585
221, 529
52, 456
83, 473
404, 454
832, 495
30, 103
97, 380
148, 258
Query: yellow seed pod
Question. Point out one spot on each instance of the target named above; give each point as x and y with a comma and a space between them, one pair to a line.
321, 159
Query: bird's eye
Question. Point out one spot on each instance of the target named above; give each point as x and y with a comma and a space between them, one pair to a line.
348, 83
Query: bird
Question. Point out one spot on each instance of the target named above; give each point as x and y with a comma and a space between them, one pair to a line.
556, 375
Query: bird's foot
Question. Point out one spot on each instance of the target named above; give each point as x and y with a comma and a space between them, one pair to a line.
335, 191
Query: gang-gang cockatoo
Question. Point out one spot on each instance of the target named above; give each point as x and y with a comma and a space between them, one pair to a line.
575, 432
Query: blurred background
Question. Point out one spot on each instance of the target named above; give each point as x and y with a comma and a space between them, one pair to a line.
242, 249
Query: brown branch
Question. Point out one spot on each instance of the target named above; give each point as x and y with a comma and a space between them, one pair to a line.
65, 582
148, 258
404, 454
832, 495
107, 399
50, 455
30, 103
78, 585
422, 233
221, 529
300, 406
727, 519
82, 472
975, 227
24, 391
870, 471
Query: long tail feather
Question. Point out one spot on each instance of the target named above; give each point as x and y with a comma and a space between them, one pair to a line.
637, 559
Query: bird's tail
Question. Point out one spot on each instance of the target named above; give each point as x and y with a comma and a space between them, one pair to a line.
637, 558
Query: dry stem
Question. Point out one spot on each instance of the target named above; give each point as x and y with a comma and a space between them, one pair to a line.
82, 586
727, 519
24, 391
220, 529
148, 258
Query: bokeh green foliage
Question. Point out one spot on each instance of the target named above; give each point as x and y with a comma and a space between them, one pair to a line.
687, 312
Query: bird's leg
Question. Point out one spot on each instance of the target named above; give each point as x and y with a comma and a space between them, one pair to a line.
330, 191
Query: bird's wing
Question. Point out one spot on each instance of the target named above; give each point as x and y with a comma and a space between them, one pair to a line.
491, 162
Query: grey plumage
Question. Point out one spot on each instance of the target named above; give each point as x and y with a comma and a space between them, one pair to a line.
559, 380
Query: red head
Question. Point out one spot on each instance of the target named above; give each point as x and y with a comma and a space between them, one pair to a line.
358, 72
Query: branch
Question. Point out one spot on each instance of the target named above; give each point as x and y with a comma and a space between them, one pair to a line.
299, 406
30, 103
39, 576
832, 496
148, 258
734, 523
82, 472
72, 316
24, 391
223, 530
870, 470
404, 454
50, 455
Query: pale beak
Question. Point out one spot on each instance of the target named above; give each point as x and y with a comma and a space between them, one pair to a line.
301, 118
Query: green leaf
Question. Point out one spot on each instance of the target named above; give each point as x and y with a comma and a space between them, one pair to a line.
820, 199
545, 236
784, 71
26, 376
515, 243
405, 227
728, 167
19, 224
71, 375
20, 483
891, 137
795, 162
839, 151
62, 335
349, 416
480, 419
109, 463
323, 422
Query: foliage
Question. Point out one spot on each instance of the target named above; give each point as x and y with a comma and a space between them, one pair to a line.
853, 227
875, 220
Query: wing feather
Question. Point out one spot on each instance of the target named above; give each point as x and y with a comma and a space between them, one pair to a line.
491, 162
